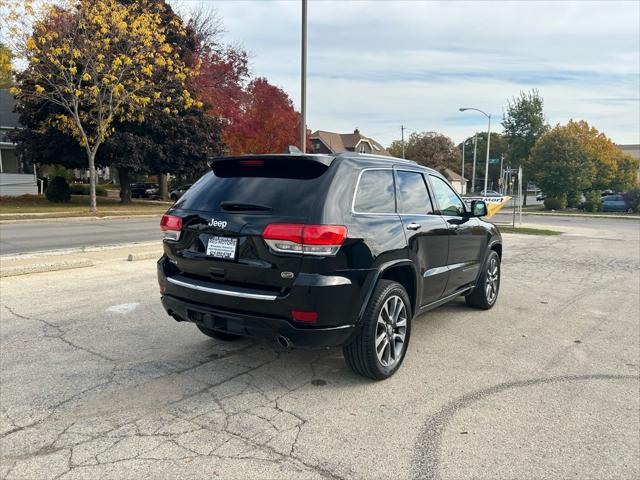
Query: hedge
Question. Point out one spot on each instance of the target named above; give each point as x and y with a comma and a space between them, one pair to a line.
80, 189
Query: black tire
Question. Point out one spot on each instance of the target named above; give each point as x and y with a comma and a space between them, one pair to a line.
485, 294
361, 354
225, 337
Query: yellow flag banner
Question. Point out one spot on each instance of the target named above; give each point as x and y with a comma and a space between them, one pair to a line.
494, 204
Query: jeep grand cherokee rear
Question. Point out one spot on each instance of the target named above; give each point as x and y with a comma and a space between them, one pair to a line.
313, 250
247, 254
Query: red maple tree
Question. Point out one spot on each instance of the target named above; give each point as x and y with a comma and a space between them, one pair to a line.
257, 117
268, 123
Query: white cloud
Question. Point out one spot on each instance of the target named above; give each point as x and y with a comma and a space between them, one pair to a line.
378, 64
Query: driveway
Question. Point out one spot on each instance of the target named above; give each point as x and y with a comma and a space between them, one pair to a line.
98, 382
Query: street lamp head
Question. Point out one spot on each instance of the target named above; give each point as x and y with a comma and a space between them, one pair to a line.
463, 109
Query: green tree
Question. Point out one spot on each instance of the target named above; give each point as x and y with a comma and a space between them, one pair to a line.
524, 122
559, 163
430, 149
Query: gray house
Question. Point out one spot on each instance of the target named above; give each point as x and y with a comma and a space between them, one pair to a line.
16, 177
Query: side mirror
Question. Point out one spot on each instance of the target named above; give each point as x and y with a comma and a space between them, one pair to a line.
479, 208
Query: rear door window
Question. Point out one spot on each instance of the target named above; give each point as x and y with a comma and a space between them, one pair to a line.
375, 192
413, 197
287, 187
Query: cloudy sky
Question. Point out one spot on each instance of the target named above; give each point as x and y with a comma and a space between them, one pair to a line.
379, 64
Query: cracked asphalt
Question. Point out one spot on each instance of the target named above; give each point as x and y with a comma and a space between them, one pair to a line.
96, 381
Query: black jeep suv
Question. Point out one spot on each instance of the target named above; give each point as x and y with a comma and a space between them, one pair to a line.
316, 250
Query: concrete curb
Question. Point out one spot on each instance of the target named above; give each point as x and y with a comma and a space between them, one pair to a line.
581, 215
93, 249
143, 256
44, 267
80, 219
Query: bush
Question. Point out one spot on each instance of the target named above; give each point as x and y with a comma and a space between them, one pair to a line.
58, 190
593, 201
80, 189
555, 203
60, 171
574, 199
632, 198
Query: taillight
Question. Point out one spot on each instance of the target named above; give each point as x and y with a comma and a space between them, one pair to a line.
319, 240
171, 227
251, 163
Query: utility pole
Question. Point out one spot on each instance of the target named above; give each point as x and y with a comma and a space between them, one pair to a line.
473, 173
303, 82
402, 136
501, 179
486, 166
462, 174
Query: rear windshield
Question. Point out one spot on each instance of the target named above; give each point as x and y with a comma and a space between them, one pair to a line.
283, 186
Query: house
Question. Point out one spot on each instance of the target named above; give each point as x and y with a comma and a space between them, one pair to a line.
16, 177
330, 142
457, 182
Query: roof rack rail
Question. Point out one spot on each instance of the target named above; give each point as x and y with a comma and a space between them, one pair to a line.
375, 156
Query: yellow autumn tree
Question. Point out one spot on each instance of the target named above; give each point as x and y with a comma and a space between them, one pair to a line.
99, 61
613, 169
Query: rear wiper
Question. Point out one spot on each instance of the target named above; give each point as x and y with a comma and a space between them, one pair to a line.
239, 206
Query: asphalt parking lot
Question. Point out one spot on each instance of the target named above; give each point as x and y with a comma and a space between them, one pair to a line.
98, 382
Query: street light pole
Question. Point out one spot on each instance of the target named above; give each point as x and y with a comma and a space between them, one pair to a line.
486, 168
303, 81
462, 175
402, 136
473, 173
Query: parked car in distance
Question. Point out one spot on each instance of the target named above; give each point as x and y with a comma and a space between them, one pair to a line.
490, 193
144, 189
318, 250
614, 203
540, 197
178, 192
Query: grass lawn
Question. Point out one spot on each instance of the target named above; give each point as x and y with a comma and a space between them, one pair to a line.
529, 231
32, 206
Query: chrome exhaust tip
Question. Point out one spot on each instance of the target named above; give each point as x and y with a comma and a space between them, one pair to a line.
283, 341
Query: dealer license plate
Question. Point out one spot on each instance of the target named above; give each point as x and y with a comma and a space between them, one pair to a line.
222, 247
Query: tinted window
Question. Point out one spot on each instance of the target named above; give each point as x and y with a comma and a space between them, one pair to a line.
448, 200
375, 192
287, 187
413, 196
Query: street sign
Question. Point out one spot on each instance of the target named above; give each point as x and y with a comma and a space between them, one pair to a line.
493, 161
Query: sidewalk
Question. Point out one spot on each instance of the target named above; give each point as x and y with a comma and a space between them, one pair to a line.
22, 264
41, 217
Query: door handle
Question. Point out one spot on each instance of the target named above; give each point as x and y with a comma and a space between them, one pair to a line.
413, 226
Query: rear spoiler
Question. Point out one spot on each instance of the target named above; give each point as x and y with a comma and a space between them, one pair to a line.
291, 157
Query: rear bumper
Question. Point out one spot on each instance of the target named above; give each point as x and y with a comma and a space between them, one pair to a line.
336, 298
251, 325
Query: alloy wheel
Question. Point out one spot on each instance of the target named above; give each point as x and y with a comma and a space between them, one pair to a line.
391, 331
493, 279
